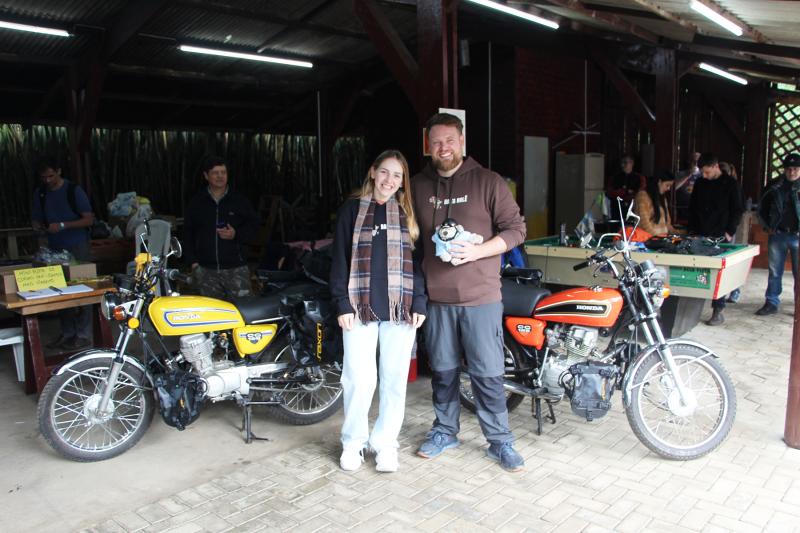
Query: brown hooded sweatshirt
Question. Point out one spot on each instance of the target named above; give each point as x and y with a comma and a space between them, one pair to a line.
479, 200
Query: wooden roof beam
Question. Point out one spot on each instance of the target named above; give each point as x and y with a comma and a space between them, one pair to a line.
775, 50
390, 46
744, 66
666, 15
629, 94
615, 21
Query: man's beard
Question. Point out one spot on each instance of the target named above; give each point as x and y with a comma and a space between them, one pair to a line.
447, 166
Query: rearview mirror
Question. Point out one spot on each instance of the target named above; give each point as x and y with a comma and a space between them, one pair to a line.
175, 247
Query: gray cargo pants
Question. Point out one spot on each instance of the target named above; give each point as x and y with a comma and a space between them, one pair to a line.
477, 332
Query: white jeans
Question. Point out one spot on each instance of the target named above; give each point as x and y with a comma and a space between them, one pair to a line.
359, 378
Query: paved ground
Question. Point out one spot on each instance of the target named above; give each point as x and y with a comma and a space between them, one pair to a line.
579, 476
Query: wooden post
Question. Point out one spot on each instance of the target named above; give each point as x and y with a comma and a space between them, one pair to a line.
791, 433
666, 106
755, 147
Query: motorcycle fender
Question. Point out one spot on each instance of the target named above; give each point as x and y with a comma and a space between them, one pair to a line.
627, 384
101, 354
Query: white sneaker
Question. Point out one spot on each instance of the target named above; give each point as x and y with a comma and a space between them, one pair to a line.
351, 459
386, 460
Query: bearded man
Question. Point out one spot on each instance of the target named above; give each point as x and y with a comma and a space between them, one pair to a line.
465, 309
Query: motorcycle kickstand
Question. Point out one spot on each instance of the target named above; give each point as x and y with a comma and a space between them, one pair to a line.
247, 422
537, 413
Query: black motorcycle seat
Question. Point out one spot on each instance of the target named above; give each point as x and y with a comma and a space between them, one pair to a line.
259, 309
520, 299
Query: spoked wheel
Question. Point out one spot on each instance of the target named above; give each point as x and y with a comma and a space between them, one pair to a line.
314, 394
70, 419
513, 400
678, 429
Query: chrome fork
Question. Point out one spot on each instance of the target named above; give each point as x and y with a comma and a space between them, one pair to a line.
116, 365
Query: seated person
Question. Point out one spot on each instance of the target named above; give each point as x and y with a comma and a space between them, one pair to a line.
652, 206
626, 183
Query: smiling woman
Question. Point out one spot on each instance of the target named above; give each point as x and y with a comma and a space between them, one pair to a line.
379, 294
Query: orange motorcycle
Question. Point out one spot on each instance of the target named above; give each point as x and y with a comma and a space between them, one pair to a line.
584, 343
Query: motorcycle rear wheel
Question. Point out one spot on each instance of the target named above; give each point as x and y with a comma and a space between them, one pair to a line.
305, 404
655, 413
68, 416
512, 360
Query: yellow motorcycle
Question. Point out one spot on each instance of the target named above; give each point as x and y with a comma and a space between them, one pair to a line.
282, 351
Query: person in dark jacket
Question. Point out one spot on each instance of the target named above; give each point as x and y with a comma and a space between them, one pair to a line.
626, 183
779, 212
715, 210
379, 293
218, 222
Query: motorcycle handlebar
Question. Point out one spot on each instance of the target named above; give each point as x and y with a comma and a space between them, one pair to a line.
174, 274
580, 266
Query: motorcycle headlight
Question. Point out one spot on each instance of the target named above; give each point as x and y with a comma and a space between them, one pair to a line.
108, 303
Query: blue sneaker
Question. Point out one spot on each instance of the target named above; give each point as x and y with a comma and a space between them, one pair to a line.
436, 443
504, 452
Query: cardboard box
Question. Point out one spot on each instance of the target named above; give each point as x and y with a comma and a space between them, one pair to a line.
8, 285
80, 271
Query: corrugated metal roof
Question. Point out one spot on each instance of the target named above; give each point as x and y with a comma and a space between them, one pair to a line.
63, 11
192, 24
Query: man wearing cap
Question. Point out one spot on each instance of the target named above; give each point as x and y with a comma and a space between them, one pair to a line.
779, 212
715, 210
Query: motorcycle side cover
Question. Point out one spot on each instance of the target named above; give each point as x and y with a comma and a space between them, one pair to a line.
252, 339
597, 308
526, 331
182, 315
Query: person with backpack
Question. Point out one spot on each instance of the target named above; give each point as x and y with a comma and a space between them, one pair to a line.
62, 209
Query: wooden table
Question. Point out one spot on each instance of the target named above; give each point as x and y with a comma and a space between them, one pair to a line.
37, 367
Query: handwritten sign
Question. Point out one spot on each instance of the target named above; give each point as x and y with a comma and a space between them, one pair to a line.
33, 279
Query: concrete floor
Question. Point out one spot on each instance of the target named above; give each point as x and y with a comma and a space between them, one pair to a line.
579, 476
40, 491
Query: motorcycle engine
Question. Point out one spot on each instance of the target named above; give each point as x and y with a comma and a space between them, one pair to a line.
221, 377
568, 345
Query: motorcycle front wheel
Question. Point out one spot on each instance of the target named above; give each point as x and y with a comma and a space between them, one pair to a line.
671, 428
315, 398
69, 418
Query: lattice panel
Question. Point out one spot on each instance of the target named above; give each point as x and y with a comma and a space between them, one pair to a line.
785, 135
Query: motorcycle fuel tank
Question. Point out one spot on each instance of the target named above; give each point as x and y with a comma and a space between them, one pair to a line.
597, 308
182, 315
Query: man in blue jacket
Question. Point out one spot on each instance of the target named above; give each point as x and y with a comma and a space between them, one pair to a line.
779, 211
218, 222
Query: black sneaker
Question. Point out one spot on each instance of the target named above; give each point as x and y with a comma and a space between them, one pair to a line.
767, 309
506, 455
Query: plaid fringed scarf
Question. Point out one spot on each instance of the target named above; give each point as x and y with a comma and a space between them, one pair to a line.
399, 265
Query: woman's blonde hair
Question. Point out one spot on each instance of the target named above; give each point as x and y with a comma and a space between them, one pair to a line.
403, 194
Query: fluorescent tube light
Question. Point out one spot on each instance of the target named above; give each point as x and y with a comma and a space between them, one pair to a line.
720, 72
516, 13
716, 17
241, 55
33, 29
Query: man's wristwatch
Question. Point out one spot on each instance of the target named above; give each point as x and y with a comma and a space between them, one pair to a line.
61, 226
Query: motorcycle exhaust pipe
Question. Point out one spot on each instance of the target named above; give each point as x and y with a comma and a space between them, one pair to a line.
540, 392
519, 389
